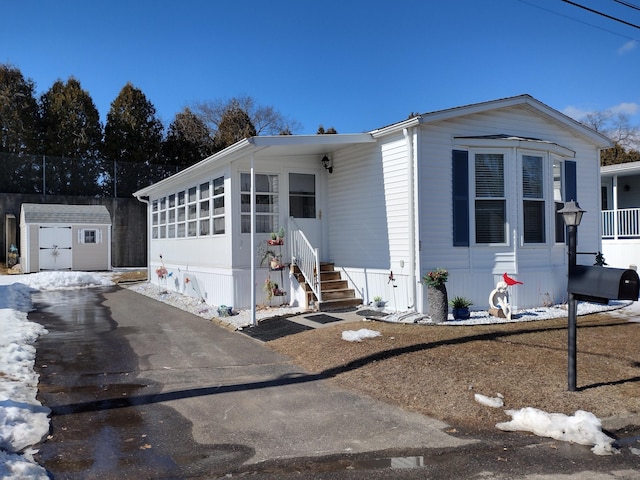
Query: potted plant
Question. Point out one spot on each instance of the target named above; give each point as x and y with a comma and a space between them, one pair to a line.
460, 308
277, 238
437, 294
378, 302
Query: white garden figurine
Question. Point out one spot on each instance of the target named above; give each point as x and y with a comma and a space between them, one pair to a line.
499, 301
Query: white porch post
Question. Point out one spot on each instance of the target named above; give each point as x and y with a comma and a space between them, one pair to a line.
614, 194
253, 242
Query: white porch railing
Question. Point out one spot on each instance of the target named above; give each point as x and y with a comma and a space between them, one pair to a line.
306, 257
622, 223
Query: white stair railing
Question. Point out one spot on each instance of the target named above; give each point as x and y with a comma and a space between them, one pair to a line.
306, 257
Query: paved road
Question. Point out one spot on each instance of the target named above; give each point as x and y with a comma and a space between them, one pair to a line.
139, 389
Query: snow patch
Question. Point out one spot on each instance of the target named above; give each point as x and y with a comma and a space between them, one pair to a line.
493, 402
582, 427
359, 335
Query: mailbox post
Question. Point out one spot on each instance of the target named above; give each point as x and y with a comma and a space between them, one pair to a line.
572, 215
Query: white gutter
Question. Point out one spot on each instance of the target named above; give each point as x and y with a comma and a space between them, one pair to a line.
412, 195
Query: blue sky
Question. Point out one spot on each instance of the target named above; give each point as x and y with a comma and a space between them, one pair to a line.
350, 64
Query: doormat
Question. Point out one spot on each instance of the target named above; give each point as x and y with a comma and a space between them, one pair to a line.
372, 313
322, 318
274, 328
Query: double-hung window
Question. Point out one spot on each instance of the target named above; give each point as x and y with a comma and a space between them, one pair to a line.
490, 200
533, 204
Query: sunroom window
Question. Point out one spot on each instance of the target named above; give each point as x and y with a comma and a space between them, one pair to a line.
266, 198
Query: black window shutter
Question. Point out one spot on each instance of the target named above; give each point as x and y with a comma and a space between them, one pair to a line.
460, 191
570, 181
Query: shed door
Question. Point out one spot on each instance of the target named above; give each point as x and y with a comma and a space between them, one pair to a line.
55, 248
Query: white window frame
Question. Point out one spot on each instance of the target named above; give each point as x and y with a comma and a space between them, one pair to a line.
82, 236
273, 214
507, 156
547, 196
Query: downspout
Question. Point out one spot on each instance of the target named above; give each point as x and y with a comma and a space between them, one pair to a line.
146, 201
413, 221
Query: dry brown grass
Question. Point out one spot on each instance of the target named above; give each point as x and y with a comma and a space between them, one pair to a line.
435, 370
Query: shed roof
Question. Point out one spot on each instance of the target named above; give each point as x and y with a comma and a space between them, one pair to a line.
68, 214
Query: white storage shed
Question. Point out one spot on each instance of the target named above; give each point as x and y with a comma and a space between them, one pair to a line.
64, 237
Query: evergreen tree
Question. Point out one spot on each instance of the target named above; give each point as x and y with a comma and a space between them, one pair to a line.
18, 133
132, 142
188, 140
71, 137
18, 112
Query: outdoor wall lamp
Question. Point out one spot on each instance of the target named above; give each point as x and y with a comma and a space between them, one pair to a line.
327, 164
572, 216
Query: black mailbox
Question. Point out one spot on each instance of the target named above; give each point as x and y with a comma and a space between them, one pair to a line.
601, 284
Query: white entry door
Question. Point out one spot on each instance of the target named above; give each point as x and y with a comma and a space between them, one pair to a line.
55, 248
303, 207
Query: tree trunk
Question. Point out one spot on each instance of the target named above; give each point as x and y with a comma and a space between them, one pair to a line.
438, 303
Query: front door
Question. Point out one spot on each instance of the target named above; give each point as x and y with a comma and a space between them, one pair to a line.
303, 206
55, 248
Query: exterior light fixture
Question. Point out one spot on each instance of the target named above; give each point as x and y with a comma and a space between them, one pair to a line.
571, 213
327, 164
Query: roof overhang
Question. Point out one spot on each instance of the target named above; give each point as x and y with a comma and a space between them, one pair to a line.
265, 146
507, 141
621, 169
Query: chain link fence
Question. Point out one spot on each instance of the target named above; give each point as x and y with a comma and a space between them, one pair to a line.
47, 175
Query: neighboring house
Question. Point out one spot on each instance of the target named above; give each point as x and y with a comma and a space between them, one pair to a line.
621, 214
473, 189
64, 237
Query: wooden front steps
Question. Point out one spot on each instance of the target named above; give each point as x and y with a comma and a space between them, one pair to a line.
336, 293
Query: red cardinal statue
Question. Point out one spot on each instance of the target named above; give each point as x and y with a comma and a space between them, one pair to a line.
510, 281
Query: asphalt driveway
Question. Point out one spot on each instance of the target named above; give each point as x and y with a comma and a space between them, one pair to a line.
140, 389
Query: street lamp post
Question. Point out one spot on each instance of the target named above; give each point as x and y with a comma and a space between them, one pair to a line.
572, 215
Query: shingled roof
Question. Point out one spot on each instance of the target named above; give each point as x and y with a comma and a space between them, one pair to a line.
68, 214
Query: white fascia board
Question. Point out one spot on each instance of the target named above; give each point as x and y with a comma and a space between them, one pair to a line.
629, 168
598, 139
195, 170
329, 139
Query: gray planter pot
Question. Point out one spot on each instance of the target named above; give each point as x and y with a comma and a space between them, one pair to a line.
438, 303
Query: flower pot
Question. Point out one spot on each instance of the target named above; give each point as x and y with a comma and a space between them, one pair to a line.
461, 313
276, 265
438, 303
279, 241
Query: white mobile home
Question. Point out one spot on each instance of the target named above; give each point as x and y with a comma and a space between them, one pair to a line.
473, 189
621, 214
65, 237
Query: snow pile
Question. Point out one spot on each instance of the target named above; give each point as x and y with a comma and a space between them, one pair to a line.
583, 427
493, 402
359, 335
24, 421
63, 280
